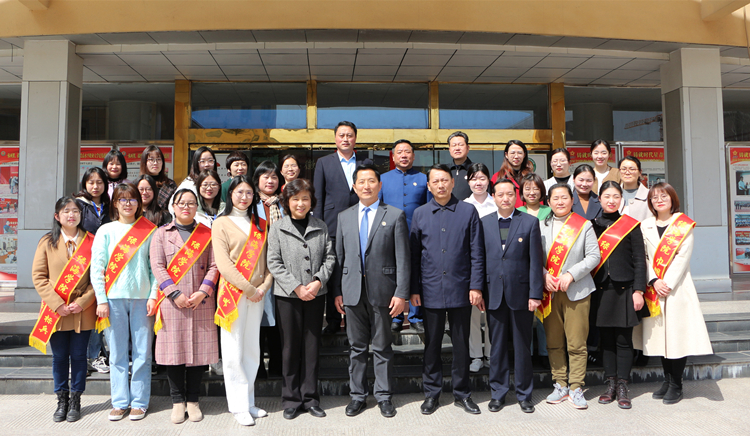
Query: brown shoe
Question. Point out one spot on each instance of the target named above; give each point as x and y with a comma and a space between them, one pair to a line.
136, 414
608, 396
194, 412
117, 414
622, 395
178, 413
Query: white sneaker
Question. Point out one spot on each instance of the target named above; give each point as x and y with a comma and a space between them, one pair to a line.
257, 412
217, 368
476, 365
486, 362
244, 418
559, 395
576, 397
100, 365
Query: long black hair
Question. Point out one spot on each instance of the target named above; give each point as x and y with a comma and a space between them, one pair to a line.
104, 197
109, 157
213, 208
153, 212
53, 237
195, 169
252, 210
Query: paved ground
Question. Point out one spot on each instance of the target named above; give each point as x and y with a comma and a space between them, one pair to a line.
709, 408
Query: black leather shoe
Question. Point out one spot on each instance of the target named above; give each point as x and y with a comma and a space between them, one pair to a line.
429, 406
526, 406
291, 412
468, 405
496, 405
418, 327
355, 407
316, 411
331, 329
387, 408
396, 326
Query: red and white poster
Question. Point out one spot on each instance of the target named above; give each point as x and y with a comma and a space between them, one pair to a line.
8, 209
652, 162
582, 155
739, 194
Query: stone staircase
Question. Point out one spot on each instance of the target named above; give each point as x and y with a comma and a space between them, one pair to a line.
24, 370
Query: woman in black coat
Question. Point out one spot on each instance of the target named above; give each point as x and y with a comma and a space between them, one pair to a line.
620, 281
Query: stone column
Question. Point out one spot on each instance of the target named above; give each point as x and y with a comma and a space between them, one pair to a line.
695, 158
50, 145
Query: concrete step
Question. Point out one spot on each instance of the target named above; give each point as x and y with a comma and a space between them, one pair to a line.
408, 379
727, 322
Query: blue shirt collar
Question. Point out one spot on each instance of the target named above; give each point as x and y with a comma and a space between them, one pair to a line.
343, 159
372, 207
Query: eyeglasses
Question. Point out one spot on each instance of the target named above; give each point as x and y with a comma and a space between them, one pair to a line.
531, 189
207, 161
662, 197
209, 185
125, 201
559, 162
515, 153
186, 205
241, 194
628, 170
145, 190
71, 212
153, 160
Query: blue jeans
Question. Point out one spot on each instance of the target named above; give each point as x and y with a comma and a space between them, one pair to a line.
69, 353
415, 314
129, 323
541, 338
96, 344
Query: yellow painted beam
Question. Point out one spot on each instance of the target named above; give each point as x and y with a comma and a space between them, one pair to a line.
312, 104
181, 127
557, 114
35, 5
434, 106
712, 10
324, 137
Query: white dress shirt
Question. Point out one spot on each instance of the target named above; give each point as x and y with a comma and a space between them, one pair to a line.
348, 165
370, 215
485, 208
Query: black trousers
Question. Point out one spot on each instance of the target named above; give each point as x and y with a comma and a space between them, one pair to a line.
300, 324
617, 351
185, 382
270, 342
505, 325
432, 373
333, 317
675, 368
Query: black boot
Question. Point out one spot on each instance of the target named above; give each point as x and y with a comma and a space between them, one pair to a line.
623, 401
608, 396
74, 407
62, 407
674, 392
659, 394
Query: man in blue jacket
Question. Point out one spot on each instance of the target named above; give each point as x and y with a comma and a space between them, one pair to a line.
515, 282
447, 248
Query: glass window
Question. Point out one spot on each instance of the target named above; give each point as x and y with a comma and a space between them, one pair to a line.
480, 106
619, 114
249, 105
10, 112
736, 114
127, 111
374, 105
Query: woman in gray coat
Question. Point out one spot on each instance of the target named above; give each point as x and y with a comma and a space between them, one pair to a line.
301, 259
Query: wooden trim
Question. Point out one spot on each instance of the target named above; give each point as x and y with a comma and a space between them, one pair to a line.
181, 128
324, 137
312, 104
557, 114
434, 106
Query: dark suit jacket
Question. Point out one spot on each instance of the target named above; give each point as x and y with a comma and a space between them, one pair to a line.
514, 274
331, 190
387, 266
627, 263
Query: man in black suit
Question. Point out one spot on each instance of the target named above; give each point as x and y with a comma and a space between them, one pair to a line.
333, 182
371, 284
515, 282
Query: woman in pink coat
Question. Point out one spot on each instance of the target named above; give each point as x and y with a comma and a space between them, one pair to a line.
187, 340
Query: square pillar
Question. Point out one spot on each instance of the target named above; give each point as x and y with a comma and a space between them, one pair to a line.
50, 145
695, 158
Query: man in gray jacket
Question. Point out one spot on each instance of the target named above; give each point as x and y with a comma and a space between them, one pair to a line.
371, 285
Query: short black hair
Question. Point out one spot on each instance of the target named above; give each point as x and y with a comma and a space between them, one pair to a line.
633, 159
439, 167
267, 167
236, 156
403, 141
345, 123
499, 181
365, 167
461, 134
111, 155
295, 187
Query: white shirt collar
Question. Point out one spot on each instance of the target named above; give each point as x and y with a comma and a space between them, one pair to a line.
500, 217
343, 159
66, 238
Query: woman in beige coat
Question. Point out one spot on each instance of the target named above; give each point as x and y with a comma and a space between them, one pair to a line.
70, 340
679, 330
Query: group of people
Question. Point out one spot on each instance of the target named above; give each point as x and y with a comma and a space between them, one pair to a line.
269, 258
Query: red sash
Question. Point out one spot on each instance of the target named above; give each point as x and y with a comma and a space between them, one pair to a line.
123, 252
229, 295
70, 277
559, 251
182, 262
611, 238
670, 242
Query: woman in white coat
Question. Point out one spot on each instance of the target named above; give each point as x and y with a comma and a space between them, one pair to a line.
676, 328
